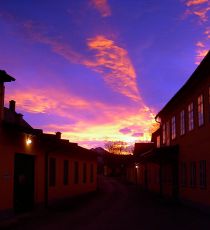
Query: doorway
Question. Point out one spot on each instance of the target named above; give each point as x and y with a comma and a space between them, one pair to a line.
23, 182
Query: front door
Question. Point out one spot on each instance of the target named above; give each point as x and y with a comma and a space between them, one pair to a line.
23, 182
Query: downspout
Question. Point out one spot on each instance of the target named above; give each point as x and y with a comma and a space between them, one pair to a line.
161, 168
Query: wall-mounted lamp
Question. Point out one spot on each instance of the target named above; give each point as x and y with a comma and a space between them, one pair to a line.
28, 141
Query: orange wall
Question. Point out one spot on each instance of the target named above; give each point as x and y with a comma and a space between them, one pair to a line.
12, 143
61, 190
194, 145
9, 145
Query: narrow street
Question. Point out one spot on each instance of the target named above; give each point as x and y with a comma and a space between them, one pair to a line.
117, 206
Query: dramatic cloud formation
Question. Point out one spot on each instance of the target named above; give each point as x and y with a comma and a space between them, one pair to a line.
110, 125
201, 9
102, 6
110, 60
195, 2
201, 52
113, 63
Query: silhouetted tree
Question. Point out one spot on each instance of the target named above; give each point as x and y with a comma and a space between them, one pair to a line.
118, 147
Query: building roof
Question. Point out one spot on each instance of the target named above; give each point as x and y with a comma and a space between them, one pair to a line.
142, 148
14, 118
200, 74
4, 77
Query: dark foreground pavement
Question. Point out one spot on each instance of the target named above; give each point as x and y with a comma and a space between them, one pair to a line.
115, 206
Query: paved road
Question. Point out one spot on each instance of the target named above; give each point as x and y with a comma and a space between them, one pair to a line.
117, 206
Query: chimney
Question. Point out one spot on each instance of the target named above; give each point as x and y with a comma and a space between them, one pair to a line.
58, 135
12, 105
4, 77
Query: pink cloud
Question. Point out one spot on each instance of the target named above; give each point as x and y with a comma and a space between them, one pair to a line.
195, 2
102, 6
63, 104
200, 8
137, 134
113, 63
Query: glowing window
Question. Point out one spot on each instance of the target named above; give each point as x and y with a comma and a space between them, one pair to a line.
167, 133
200, 110
182, 122
173, 128
158, 141
190, 117
164, 133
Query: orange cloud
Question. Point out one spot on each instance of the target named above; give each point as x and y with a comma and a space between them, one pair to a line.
207, 32
113, 63
200, 8
102, 6
201, 53
36, 100
83, 129
202, 14
195, 2
110, 60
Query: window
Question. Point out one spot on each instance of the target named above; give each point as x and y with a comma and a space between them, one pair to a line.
91, 173
182, 122
52, 172
167, 133
190, 117
209, 95
158, 141
76, 172
173, 128
183, 174
193, 174
164, 133
84, 178
65, 172
200, 110
203, 174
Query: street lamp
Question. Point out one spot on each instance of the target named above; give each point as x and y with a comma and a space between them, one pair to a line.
136, 172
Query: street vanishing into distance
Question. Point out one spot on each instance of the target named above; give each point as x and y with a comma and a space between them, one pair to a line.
116, 205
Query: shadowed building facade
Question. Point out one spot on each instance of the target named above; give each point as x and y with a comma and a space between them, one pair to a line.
38, 168
180, 159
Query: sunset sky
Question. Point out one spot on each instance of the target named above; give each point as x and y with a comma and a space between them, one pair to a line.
99, 70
